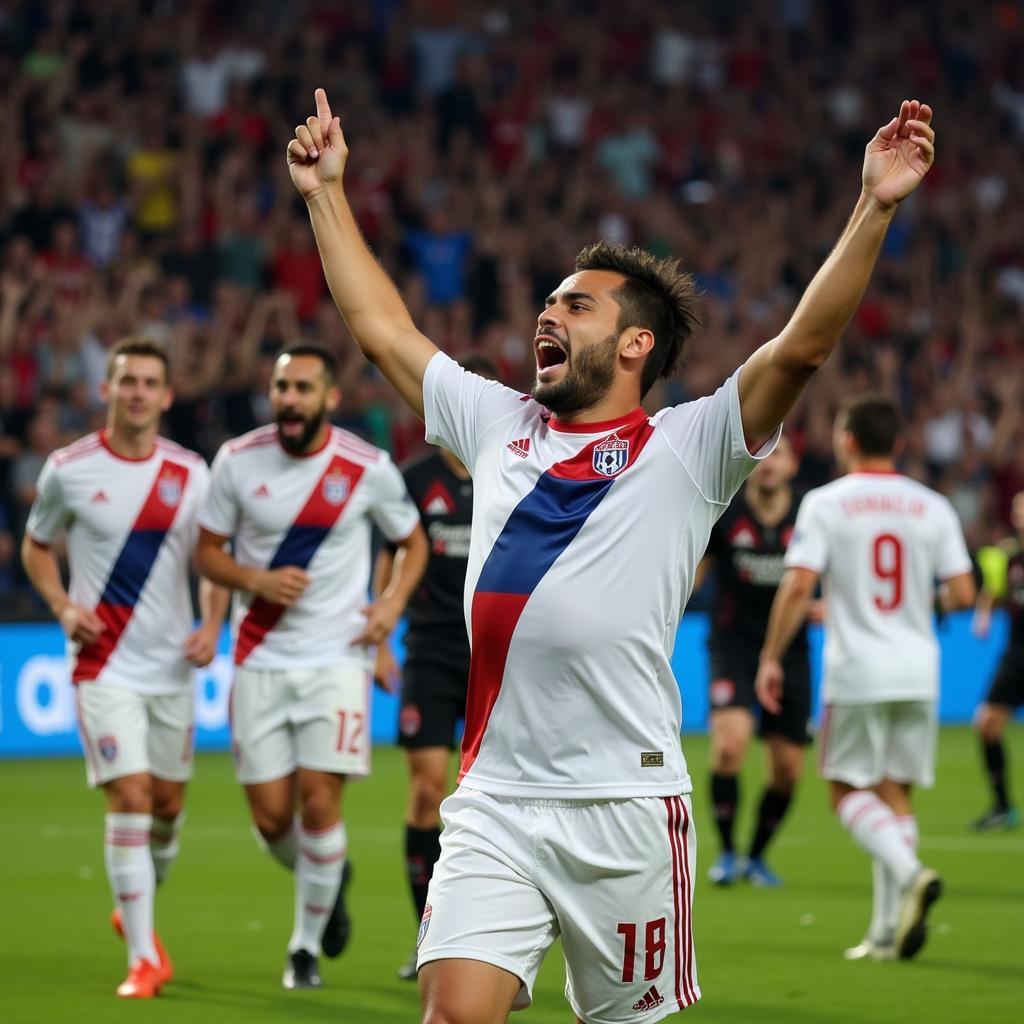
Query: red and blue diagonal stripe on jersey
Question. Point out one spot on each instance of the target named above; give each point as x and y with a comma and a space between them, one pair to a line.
539, 529
132, 567
323, 508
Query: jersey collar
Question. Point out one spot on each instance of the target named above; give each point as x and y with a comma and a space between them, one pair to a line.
599, 426
105, 441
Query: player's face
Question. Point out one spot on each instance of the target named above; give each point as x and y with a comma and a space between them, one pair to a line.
300, 400
577, 342
777, 469
137, 393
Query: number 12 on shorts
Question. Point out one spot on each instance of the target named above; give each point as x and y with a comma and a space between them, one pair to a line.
654, 949
350, 729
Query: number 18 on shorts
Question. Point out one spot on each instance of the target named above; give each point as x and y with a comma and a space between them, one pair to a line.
614, 878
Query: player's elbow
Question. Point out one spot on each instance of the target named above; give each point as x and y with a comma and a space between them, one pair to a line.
960, 593
799, 584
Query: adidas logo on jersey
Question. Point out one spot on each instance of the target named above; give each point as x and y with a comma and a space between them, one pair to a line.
652, 998
520, 447
437, 507
99, 498
261, 492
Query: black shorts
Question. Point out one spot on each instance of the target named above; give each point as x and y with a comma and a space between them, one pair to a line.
433, 702
1007, 687
733, 671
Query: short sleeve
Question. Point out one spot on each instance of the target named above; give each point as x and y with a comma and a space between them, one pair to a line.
808, 547
220, 510
459, 407
951, 557
49, 514
707, 438
392, 509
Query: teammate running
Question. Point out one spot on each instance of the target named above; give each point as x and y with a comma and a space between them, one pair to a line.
880, 541
127, 500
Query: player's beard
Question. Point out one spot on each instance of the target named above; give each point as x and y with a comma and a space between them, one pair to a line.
298, 444
587, 380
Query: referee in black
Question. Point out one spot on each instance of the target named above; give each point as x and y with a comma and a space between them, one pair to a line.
436, 671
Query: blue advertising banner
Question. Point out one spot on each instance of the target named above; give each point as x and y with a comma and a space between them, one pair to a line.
37, 708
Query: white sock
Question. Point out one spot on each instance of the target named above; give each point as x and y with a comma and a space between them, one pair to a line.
874, 827
885, 903
132, 879
164, 844
317, 878
284, 849
908, 828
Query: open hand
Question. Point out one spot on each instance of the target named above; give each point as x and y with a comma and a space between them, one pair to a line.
768, 685
386, 672
899, 155
317, 154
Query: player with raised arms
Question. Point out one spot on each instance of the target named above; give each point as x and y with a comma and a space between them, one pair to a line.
573, 816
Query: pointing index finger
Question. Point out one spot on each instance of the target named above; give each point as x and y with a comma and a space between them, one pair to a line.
323, 108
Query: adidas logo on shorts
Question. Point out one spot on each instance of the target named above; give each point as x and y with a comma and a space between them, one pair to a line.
652, 998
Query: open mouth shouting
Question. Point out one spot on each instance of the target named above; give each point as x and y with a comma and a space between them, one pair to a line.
552, 353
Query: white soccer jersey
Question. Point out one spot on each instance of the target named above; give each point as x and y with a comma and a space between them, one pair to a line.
312, 512
882, 541
584, 544
131, 529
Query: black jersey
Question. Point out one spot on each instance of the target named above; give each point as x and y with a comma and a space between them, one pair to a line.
749, 566
1015, 591
445, 503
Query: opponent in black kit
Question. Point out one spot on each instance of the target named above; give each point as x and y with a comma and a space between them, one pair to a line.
1002, 569
746, 548
436, 671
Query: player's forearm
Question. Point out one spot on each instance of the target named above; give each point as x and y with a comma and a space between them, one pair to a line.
364, 294
220, 568
835, 291
410, 563
213, 603
789, 609
383, 571
43, 572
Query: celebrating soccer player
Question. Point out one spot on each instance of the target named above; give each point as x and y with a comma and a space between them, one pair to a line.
298, 497
128, 501
879, 540
573, 813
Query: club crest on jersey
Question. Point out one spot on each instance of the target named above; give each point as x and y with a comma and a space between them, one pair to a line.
107, 747
335, 488
611, 456
169, 490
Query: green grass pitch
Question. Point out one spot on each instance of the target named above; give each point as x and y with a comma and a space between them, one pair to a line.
764, 956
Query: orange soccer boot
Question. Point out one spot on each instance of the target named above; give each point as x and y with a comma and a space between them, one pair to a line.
165, 966
143, 981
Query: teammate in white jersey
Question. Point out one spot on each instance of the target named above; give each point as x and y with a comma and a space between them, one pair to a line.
880, 541
298, 498
573, 815
127, 501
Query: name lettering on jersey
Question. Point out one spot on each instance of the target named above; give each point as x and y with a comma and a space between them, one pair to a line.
520, 447
762, 570
611, 456
132, 567
329, 498
898, 503
542, 525
652, 759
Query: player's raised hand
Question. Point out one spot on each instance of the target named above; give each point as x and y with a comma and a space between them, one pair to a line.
317, 154
81, 624
768, 685
899, 155
282, 586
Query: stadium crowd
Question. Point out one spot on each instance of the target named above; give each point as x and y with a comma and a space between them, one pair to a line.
144, 191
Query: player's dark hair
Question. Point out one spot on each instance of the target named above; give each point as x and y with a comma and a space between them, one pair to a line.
874, 421
478, 363
311, 348
656, 295
135, 345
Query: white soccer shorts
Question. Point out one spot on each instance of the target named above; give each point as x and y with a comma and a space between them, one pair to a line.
861, 744
317, 718
124, 732
614, 878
